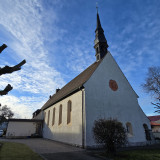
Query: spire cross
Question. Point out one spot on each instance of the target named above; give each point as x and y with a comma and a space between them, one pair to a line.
97, 6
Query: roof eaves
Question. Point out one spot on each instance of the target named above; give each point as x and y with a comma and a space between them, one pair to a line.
67, 95
25, 120
49, 103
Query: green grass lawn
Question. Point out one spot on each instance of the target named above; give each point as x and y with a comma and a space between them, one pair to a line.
143, 154
17, 151
146, 154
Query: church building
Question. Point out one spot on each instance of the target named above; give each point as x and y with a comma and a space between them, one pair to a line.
100, 91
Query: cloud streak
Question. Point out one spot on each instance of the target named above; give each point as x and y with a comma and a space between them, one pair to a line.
25, 23
56, 38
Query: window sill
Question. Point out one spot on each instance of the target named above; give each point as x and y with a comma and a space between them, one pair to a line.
60, 125
129, 135
69, 124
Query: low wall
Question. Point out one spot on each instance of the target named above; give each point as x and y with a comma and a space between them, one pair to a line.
20, 129
23, 128
156, 134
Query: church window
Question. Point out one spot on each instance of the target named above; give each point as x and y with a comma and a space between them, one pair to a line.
69, 111
48, 117
53, 118
147, 132
60, 114
98, 57
44, 116
113, 85
97, 49
129, 129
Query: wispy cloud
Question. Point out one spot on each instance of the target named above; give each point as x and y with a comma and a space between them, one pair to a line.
24, 21
136, 42
56, 38
80, 57
24, 106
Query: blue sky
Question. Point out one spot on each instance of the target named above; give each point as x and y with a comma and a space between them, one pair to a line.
56, 37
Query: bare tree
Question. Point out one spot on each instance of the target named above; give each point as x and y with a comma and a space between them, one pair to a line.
7, 69
152, 85
6, 112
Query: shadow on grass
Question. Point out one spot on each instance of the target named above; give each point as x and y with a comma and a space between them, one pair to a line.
17, 151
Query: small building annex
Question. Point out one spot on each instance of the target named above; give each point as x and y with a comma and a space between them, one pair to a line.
23, 128
155, 125
100, 91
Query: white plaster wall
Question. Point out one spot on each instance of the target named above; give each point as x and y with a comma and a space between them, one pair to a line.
67, 133
20, 129
102, 102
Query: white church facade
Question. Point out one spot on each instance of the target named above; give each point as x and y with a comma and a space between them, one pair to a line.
100, 91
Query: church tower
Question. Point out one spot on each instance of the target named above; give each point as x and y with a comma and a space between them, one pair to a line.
100, 42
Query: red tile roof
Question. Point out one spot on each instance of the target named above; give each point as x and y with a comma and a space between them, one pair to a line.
154, 118
155, 124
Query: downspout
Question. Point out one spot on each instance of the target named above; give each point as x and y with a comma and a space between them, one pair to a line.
83, 119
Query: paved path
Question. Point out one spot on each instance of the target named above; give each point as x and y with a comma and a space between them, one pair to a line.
71, 156
52, 150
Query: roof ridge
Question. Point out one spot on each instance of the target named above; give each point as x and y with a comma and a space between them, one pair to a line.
76, 76
72, 85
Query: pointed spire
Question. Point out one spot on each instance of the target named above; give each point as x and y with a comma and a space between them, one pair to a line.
100, 40
98, 22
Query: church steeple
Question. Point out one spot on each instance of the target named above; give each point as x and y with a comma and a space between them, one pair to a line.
98, 22
100, 42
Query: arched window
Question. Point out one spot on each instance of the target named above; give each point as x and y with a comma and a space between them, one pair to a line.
48, 117
129, 129
53, 118
98, 57
44, 116
147, 133
69, 112
60, 114
97, 49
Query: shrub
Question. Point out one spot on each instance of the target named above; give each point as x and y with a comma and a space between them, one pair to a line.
110, 133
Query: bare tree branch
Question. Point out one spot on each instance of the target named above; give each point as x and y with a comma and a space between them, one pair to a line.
6, 90
3, 47
152, 85
8, 69
157, 107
